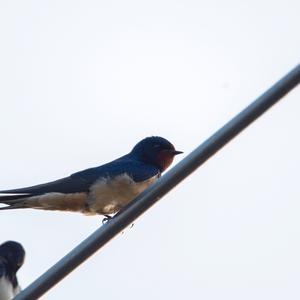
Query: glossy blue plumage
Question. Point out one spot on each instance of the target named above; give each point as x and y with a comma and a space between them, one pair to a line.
137, 170
12, 256
147, 160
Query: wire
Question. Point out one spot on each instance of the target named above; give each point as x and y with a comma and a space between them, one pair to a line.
156, 191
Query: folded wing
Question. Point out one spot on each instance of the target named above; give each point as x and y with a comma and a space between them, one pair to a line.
64, 185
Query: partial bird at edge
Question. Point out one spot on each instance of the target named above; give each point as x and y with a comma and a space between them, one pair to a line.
12, 255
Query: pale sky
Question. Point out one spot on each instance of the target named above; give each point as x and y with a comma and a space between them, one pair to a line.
84, 81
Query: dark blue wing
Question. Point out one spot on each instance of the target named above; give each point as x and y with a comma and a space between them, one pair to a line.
81, 181
137, 170
64, 185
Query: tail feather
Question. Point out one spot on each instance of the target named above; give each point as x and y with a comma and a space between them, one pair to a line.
50, 201
64, 185
12, 207
14, 201
8, 198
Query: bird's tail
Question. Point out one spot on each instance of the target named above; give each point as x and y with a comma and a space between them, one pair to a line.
13, 206
49, 201
12, 201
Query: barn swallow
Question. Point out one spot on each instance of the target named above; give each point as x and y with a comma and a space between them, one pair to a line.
12, 256
102, 190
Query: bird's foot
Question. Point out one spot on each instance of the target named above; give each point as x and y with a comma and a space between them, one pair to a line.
106, 219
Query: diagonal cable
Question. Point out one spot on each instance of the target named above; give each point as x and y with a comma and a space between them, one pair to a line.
150, 196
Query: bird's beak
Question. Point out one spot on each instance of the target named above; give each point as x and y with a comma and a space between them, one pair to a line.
175, 152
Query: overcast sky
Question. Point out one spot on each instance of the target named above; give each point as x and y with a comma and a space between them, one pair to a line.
83, 81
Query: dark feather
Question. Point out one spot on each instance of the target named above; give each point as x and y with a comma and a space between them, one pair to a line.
12, 256
137, 170
64, 185
82, 181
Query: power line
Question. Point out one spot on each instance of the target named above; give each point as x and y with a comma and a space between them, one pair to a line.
146, 199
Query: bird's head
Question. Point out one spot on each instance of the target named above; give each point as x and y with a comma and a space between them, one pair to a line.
155, 150
13, 253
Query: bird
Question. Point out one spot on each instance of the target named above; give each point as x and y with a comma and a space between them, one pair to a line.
12, 255
102, 190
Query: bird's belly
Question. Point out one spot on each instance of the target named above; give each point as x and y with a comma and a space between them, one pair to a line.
6, 289
108, 196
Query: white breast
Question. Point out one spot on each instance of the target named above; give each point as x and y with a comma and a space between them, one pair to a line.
7, 291
107, 196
